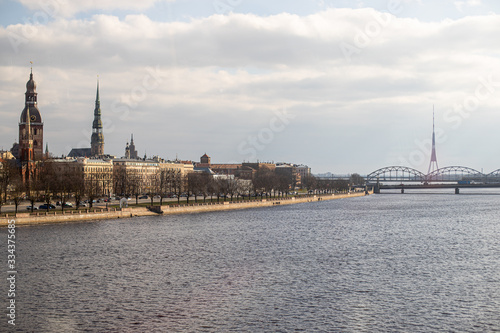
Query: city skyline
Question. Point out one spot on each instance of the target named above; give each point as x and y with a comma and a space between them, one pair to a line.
340, 89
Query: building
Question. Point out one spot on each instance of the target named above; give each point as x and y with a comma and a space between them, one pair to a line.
30, 126
130, 151
205, 159
290, 172
143, 176
6, 155
97, 173
303, 170
80, 152
97, 138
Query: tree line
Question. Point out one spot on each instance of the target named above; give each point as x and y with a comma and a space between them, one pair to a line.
47, 183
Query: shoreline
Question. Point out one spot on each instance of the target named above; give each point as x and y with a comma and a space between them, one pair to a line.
117, 213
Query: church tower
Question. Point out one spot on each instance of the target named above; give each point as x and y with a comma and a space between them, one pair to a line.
30, 125
97, 139
133, 152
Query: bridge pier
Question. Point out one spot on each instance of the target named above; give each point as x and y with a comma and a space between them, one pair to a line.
457, 190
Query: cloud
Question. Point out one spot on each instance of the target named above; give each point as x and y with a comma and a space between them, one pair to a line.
67, 8
207, 84
468, 3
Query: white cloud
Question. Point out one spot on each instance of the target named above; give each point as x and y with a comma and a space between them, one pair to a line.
468, 3
68, 8
207, 84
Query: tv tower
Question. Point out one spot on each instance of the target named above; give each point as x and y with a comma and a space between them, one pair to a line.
433, 165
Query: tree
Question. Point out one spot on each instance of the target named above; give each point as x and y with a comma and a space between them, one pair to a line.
7, 171
356, 179
198, 184
120, 181
48, 182
154, 185
77, 183
134, 181
193, 185
95, 185
205, 182
178, 181
213, 187
309, 182
232, 187
264, 181
341, 185
33, 187
283, 184
17, 190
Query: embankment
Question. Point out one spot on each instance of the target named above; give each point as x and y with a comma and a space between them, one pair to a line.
115, 213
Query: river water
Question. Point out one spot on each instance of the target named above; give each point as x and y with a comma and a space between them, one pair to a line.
384, 263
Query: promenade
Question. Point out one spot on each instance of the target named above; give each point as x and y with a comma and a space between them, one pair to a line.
115, 213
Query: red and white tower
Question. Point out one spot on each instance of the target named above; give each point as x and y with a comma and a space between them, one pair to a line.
433, 165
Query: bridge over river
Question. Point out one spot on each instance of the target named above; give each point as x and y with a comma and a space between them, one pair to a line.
401, 177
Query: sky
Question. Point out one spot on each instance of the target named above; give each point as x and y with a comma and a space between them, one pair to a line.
342, 86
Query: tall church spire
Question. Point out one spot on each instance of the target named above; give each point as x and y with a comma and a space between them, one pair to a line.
133, 151
97, 139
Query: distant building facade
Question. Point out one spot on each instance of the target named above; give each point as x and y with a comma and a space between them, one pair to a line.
97, 173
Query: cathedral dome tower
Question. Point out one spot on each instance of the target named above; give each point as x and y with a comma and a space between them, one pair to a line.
31, 121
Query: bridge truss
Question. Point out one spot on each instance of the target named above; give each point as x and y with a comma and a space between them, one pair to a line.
448, 174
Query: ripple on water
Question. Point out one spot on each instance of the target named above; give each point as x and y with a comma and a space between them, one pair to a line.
415, 263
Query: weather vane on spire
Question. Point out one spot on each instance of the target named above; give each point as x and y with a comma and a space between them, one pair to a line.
31, 62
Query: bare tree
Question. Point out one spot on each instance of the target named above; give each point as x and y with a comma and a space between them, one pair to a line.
17, 190
64, 186
33, 187
205, 181
232, 187
264, 181
6, 176
193, 184
356, 179
77, 183
213, 187
120, 181
178, 185
154, 185
93, 186
48, 182
309, 182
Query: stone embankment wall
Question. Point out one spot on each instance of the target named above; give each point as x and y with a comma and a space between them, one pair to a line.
112, 213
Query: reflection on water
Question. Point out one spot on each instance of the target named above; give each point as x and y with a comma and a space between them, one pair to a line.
412, 262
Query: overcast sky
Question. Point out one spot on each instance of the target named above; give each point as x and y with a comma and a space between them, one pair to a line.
343, 86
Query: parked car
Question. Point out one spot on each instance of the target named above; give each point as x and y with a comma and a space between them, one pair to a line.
44, 206
29, 208
143, 197
68, 204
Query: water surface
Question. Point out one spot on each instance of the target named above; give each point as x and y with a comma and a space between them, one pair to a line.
414, 263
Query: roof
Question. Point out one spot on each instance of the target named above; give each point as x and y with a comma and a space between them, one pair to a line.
80, 152
226, 166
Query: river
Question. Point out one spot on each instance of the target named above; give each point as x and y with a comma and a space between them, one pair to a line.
418, 262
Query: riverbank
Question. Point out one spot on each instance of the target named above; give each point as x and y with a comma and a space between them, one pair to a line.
116, 213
